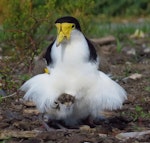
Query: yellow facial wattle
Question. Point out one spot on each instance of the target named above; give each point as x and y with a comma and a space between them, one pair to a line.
64, 31
46, 71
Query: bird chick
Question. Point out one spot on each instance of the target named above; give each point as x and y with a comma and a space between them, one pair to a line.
62, 106
65, 99
61, 109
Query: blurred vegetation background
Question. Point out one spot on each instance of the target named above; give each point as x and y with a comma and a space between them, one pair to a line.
27, 26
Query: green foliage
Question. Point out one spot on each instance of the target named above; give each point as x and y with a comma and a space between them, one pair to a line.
147, 88
119, 47
1, 99
122, 7
127, 70
140, 113
6, 140
81, 9
8, 80
26, 28
30, 22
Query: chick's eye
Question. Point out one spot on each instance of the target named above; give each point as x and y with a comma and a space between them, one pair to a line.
56, 103
73, 26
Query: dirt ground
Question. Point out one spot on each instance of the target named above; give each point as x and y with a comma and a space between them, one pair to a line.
130, 67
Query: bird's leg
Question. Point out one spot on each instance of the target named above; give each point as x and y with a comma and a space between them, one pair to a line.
61, 126
44, 123
56, 125
89, 121
98, 120
93, 122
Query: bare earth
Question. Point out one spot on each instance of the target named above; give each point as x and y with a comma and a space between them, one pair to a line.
19, 122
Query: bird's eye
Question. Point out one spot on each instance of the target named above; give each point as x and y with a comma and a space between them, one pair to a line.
56, 103
73, 26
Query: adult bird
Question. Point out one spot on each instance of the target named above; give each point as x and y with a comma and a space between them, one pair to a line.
73, 65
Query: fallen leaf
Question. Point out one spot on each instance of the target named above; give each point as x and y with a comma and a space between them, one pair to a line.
138, 34
135, 76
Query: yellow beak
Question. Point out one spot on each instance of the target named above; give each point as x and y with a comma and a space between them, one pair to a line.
64, 32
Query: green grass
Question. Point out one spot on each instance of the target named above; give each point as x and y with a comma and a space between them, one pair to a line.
120, 30
1, 99
140, 113
147, 88
119, 46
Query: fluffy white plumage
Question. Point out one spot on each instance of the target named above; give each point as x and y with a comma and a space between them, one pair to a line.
74, 74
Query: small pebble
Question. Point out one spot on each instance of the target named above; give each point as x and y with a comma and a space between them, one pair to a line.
85, 128
147, 50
